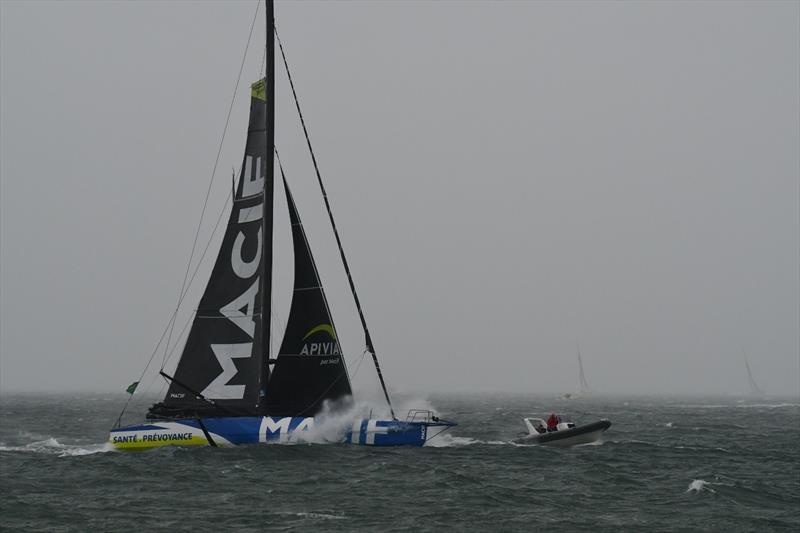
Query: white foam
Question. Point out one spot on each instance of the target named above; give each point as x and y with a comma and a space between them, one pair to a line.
318, 516
51, 446
742, 406
669, 425
332, 423
446, 440
770, 405
699, 485
598, 442
335, 419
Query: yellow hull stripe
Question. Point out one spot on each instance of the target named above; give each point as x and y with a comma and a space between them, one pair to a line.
139, 444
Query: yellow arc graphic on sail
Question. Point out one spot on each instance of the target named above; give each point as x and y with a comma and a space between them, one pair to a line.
322, 327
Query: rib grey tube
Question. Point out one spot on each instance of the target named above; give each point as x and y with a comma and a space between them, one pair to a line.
368, 339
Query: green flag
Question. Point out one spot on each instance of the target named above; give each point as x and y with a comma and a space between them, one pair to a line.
132, 387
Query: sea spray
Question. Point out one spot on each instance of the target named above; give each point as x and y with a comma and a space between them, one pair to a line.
333, 422
446, 440
51, 446
336, 418
699, 485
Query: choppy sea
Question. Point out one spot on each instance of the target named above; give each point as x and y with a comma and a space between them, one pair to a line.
666, 464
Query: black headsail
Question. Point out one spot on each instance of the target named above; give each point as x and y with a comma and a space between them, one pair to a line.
310, 368
224, 358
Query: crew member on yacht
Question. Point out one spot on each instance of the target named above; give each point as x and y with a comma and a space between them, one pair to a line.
552, 422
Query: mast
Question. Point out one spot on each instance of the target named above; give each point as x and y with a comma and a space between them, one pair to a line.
367, 338
269, 175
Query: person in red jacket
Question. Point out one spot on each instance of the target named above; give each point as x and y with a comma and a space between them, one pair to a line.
552, 423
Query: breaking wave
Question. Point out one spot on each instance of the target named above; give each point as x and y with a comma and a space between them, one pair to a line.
51, 446
700, 485
332, 424
446, 440
782, 405
312, 515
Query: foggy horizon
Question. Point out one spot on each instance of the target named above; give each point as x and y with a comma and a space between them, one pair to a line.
509, 179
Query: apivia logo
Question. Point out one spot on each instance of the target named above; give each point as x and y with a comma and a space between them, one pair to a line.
241, 310
315, 343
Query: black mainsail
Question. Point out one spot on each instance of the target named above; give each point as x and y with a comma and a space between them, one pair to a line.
224, 359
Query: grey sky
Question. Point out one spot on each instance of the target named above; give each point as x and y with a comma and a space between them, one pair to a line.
507, 177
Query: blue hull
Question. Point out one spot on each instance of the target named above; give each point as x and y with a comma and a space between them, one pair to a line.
233, 431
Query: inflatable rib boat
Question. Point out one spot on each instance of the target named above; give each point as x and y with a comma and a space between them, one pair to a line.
566, 434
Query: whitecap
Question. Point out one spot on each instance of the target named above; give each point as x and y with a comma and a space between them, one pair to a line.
313, 515
768, 405
743, 406
699, 485
447, 441
323, 516
51, 446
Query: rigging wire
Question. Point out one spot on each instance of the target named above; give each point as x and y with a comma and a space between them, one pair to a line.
194, 274
356, 366
211, 181
184, 286
191, 280
368, 339
345, 372
168, 353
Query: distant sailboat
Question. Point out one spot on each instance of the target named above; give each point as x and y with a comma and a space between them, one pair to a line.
582, 377
755, 390
584, 384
